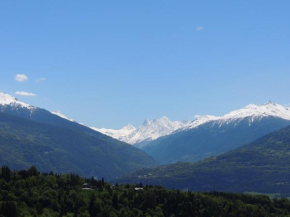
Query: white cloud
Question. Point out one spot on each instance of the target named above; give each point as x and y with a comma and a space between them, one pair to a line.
23, 93
41, 79
21, 78
200, 28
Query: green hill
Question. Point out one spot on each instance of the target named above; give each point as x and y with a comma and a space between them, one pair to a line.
261, 166
66, 149
29, 193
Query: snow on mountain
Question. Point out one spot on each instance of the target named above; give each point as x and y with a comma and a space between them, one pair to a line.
148, 131
253, 112
153, 129
199, 121
121, 134
58, 113
256, 111
15, 104
8, 100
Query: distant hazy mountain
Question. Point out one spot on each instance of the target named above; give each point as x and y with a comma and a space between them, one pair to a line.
208, 136
148, 131
34, 136
261, 166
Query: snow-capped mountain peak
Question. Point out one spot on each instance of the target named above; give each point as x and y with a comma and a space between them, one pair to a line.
147, 122
259, 111
252, 111
120, 134
148, 131
129, 127
153, 129
8, 100
200, 120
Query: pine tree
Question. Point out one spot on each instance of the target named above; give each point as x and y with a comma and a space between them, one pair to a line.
6, 173
92, 207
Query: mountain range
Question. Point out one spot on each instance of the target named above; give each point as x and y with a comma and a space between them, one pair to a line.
51, 141
35, 136
262, 166
147, 132
169, 142
210, 136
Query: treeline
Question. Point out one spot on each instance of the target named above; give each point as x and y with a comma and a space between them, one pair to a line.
29, 193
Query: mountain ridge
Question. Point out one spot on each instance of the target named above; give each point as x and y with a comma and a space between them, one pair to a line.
260, 166
148, 131
209, 135
141, 136
211, 139
75, 147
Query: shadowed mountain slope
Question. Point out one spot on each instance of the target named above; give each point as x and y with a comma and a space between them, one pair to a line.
261, 166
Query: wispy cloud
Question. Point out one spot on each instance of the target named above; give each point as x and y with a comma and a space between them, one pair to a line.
23, 93
41, 79
21, 78
200, 28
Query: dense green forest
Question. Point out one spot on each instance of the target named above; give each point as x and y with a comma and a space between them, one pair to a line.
261, 166
30, 193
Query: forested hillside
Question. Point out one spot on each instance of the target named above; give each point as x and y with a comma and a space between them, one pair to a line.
261, 166
29, 193
24, 143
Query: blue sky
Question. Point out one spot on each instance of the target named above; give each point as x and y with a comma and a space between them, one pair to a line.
109, 63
